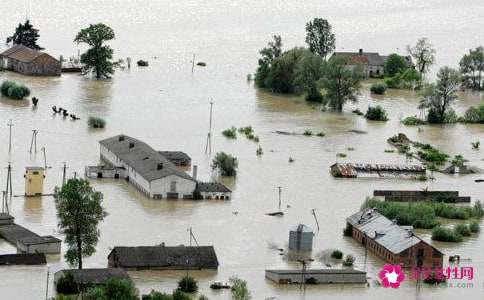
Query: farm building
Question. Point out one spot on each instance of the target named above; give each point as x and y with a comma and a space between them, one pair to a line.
23, 259
178, 158
162, 257
148, 170
28, 61
301, 238
317, 276
213, 190
391, 242
372, 62
92, 276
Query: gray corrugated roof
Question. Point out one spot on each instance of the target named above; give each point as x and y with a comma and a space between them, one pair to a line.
199, 257
142, 158
212, 187
175, 155
383, 231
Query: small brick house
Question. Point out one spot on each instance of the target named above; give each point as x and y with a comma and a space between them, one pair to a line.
392, 243
28, 61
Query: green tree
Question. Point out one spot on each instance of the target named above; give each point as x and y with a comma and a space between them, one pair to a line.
394, 64
281, 76
319, 37
424, 55
307, 75
438, 98
269, 53
340, 82
114, 289
471, 67
25, 34
98, 57
225, 163
188, 284
79, 212
239, 289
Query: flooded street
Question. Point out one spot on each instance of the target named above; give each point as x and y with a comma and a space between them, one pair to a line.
167, 106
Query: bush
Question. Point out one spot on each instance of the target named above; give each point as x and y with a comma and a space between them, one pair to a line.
179, 295
188, 285
14, 91
230, 133
474, 227
225, 163
376, 113
247, 130
96, 122
155, 295
320, 134
142, 63
462, 229
311, 280
413, 121
474, 114
66, 285
349, 260
307, 132
445, 235
378, 88
478, 210
337, 254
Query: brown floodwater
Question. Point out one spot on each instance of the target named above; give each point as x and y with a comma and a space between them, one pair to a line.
167, 106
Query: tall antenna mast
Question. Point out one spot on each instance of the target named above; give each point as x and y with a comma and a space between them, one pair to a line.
10, 124
208, 145
33, 141
193, 62
280, 191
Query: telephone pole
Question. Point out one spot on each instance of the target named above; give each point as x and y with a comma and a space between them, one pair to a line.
8, 188
193, 62
208, 145
64, 168
10, 124
280, 191
45, 158
33, 141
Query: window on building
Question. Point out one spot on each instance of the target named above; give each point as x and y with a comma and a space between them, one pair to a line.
36, 173
173, 186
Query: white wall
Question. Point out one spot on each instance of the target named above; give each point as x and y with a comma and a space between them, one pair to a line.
162, 186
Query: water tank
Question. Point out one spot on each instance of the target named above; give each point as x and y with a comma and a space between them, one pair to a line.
301, 238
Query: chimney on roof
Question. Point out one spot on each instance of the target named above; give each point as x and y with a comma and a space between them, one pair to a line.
121, 138
131, 145
159, 166
195, 171
360, 52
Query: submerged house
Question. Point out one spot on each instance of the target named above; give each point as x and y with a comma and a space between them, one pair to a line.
392, 243
92, 276
162, 257
213, 190
318, 276
24, 60
372, 62
148, 170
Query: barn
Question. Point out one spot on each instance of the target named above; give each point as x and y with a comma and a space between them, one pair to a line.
28, 61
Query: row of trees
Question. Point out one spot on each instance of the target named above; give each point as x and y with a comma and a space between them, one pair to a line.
97, 59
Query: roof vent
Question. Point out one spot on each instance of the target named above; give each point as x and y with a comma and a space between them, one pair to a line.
121, 138
159, 166
131, 145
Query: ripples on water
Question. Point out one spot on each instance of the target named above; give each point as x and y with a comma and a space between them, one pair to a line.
167, 106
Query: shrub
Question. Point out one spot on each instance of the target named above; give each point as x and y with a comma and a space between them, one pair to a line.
475, 145
337, 254
433, 156
96, 122
259, 151
478, 209
155, 295
413, 121
66, 285
474, 227
239, 289
376, 113
230, 133
341, 155
311, 280
14, 91
307, 132
378, 88
142, 63
445, 235
179, 295
474, 114
225, 163
188, 285
462, 229
247, 130
349, 260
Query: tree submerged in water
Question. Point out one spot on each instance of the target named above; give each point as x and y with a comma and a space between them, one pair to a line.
79, 211
98, 58
25, 34
225, 163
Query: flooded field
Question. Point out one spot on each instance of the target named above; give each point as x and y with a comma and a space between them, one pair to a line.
167, 106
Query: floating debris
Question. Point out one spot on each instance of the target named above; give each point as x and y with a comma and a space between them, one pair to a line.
201, 64
142, 63
357, 131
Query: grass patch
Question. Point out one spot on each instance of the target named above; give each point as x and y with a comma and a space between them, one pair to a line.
445, 235
230, 133
413, 121
96, 122
474, 227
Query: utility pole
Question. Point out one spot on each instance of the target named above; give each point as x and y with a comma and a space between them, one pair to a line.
10, 124
304, 263
280, 191
8, 189
33, 141
47, 284
313, 211
45, 158
208, 145
193, 62
64, 168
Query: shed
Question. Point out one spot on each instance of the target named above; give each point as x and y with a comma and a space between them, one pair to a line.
162, 257
213, 190
92, 276
301, 238
319, 276
23, 259
178, 158
24, 60
34, 181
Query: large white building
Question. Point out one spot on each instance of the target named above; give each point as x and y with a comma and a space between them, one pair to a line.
151, 172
